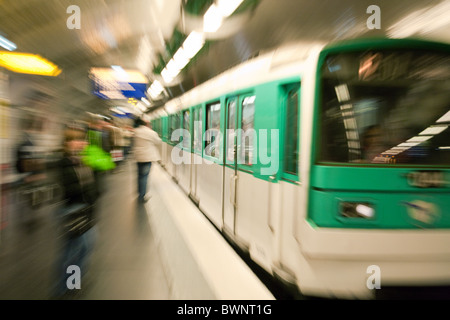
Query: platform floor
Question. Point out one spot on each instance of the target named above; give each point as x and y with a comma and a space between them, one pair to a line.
125, 263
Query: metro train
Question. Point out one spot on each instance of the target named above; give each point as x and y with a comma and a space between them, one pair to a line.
329, 164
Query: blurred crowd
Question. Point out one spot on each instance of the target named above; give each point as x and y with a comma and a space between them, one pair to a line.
53, 173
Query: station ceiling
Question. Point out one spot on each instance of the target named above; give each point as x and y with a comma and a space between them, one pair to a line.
143, 35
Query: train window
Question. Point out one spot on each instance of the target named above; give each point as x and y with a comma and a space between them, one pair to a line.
291, 132
385, 107
187, 129
170, 129
212, 132
174, 124
231, 129
165, 128
198, 130
157, 126
248, 132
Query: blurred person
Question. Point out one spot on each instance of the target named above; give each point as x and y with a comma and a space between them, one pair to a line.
99, 135
146, 144
79, 189
117, 145
128, 140
31, 162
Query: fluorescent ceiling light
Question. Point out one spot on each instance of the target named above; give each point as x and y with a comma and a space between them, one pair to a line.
352, 135
408, 144
212, 20
180, 58
392, 152
166, 76
400, 148
145, 101
122, 74
350, 123
433, 130
423, 21
28, 63
444, 118
172, 68
353, 145
117, 110
108, 75
193, 43
419, 139
124, 109
342, 93
157, 86
227, 7
8, 45
155, 89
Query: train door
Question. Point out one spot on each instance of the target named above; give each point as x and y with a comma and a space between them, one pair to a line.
184, 168
230, 167
174, 124
246, 195
196, 155
285, 245
210, 172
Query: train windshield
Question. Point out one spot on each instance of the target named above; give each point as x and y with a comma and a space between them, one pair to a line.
385, 107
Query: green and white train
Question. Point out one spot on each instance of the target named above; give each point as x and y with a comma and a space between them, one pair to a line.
329, 165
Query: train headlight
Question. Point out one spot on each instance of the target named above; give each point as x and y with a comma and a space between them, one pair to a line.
363, 210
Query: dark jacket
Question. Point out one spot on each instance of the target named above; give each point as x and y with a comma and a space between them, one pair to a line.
77, 181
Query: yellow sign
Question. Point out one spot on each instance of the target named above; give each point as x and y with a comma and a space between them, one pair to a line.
132, 101
28, 63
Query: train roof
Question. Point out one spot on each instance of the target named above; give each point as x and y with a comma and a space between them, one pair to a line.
383, 42
283, 62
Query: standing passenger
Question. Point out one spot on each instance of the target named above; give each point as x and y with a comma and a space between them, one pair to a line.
79, 189
146, 150
128, 139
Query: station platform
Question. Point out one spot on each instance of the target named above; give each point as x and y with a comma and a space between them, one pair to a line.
164, 249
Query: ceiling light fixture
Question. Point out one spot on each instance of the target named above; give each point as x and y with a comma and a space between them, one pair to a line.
212, 20
28, 63
155, 89
121, 73
145, 101
227, 7
8, 45
193, 43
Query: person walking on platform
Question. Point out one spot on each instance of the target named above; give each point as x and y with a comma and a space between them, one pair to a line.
128, 139
146, 143
77, 216
31, 162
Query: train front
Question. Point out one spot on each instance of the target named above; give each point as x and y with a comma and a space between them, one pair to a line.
378, 211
